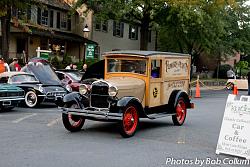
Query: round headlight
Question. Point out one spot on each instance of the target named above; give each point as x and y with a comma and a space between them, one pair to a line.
113, 91
83, 89
68, 88
41, 89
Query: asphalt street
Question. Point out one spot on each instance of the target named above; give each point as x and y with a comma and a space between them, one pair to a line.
37, 138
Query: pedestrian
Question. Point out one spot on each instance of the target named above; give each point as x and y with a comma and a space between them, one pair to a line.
14, 66
69, 67
4, 67
84, 68
248, 80
230, 74
74, 67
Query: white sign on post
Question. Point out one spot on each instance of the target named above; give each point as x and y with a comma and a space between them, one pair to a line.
234, 136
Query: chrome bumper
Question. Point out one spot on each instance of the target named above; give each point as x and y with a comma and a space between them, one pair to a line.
12, 99
100, 114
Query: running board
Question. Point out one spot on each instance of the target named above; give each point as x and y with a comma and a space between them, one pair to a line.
159, 115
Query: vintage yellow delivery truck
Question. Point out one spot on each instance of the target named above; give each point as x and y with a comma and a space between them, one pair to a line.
136, 84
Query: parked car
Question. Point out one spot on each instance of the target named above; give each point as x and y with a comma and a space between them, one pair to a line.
50, 83
10, 96
138, 84
70, 77
35, 91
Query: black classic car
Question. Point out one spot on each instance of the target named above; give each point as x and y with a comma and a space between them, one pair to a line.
10, 96
35, 91
49, 86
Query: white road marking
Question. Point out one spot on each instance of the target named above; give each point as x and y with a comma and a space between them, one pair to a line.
23, 118
53, 122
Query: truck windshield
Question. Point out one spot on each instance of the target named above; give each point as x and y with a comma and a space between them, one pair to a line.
132, 66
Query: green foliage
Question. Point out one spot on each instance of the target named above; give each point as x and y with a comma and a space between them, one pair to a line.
223, 71
56, 62
205, 28
241, 65
66, 61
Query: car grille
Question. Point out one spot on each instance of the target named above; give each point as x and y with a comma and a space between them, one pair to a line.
12, 94
99, 95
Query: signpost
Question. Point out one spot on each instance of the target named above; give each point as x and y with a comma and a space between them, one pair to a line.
90, 51
43, 53
234, 136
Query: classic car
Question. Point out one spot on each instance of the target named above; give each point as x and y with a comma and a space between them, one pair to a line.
70, 77
10, 96
242, 84
35, 91
52, 87
138, 84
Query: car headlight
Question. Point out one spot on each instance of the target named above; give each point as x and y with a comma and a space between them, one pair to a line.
113, 91
83, 89
40, 88
68, 88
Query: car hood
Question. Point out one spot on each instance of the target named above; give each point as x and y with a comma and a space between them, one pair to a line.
128, 86
7, 87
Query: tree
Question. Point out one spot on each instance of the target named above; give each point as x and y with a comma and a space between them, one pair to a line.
205, 28
5, 17
139, 12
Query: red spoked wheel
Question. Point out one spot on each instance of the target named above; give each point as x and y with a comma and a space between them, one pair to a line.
129, 124
181, 112
73, 123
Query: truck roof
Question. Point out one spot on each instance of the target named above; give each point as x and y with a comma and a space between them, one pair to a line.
142, 53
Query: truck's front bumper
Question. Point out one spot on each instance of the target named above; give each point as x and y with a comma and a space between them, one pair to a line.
94, 113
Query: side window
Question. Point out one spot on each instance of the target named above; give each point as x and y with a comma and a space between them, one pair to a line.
60, 75
156, 69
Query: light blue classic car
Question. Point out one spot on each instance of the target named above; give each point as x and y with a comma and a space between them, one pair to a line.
10, 96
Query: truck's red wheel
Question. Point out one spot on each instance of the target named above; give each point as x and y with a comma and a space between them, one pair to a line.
129, 124
73, 123
181, 112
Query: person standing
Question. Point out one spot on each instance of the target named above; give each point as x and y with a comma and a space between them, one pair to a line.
84, 68
4, 67
14, 66
230, 74
69, 67
248, 80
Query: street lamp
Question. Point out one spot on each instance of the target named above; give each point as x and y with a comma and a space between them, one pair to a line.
85, 34
85, 31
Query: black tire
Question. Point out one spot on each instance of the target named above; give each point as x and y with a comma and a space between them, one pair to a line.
181, 112
31, 99
73, 123
130, 122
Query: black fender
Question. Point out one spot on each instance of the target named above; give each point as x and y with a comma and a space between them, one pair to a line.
73, 97
124, 101
175, 96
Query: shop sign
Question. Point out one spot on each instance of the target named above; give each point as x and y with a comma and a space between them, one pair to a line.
90, 51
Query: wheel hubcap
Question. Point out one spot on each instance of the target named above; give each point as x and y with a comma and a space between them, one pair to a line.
181, 111
31, 99
130, 120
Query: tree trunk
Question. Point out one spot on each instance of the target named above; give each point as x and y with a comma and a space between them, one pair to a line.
144, 32
5, 27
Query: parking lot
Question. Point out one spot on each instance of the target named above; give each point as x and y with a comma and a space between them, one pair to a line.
36, 137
